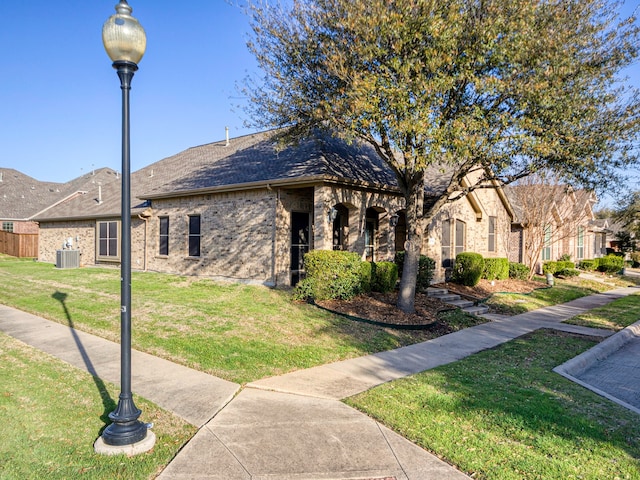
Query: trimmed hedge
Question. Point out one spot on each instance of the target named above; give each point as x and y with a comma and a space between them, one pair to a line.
426, 268
468, 268
332, 274
384, 277
565, 268
567, 272
366, 276
588, 265
611, 264
496, 268
519, 271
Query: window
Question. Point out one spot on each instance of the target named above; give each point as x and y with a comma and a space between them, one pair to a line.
580, 249
446, 244
108, 240
491, 247
370, 234
461, 230
194, 235
452, 245
7, 226
164, 236
546, 248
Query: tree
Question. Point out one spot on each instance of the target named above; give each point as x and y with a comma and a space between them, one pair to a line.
488, 90
628, 214
549, 212
626, 241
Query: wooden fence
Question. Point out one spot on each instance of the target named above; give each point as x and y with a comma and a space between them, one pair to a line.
19, 244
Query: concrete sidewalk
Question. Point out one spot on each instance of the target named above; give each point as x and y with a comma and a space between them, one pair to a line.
291, 426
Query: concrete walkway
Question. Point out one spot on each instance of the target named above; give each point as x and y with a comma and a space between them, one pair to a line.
291, 426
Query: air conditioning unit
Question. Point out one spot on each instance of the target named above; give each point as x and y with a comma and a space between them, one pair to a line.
67, 258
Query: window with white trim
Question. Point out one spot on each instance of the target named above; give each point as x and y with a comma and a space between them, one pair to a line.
108, 240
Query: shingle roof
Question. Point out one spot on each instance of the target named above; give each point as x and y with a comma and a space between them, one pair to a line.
23, 197
558, 194
248, 161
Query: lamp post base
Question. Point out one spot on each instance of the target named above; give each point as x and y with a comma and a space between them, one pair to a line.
137, 448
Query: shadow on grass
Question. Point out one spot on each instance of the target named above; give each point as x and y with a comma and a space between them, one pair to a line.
108, 402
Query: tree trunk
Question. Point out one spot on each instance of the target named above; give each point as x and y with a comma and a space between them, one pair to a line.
414, 197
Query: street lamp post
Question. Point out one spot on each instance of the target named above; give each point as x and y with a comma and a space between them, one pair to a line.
125, 41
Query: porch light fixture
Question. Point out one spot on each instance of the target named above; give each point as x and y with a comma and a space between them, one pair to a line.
332, 214
125, 42
393, 220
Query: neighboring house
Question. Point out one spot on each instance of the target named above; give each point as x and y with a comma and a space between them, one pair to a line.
248, 209
22, 198
606, 230
552, 221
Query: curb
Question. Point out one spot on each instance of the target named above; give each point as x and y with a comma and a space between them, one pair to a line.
575, 367
578, 365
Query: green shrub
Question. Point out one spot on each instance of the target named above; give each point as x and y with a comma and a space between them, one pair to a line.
610, 264
635, 259
366, 276
331, 275
519, 271
468, 268
566, 264
567, 272
549, 267
426, 268
496, 268
588, 265
385, 277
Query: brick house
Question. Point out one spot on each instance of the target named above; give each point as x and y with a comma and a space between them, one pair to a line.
248, 209
22, 198
552, 221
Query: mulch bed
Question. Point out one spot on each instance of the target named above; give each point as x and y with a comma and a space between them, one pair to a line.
381, 307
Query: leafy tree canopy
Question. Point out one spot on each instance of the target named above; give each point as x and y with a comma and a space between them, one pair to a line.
512, 86
486, 89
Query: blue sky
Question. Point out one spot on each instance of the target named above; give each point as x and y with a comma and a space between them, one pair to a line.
60, 97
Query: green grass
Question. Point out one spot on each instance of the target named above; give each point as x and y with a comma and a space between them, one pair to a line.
563, 291
503, 414
51, 414
237, 332
615, 316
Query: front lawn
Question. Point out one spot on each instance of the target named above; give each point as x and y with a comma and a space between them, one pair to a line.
51, 413
563, 291
503, 414
615, 316
237, 332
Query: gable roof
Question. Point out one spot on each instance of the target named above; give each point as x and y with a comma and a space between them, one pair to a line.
555, 200
250, 161
23, 197
262, 160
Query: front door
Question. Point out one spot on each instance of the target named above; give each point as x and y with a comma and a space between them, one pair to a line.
299, 244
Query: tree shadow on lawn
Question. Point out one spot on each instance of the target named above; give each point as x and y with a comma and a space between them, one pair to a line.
108, 402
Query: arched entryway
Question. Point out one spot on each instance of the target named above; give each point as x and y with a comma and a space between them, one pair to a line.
340, 227
398, 222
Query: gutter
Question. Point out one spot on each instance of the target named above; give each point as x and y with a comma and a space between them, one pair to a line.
302, 182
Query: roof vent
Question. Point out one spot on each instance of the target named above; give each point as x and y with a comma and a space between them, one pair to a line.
226, 129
